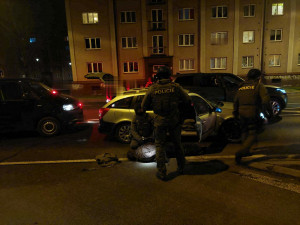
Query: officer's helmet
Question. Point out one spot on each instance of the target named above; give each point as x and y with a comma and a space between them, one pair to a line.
164, 72
254, 74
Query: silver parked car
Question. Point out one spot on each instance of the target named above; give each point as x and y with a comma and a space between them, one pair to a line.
203, 119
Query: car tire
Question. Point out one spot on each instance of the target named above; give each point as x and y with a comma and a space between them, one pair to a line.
48, 126
123, 133
230, 131
276, 106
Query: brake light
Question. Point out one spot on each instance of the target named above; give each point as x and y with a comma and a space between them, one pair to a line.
102, 112
80, 105
54, 92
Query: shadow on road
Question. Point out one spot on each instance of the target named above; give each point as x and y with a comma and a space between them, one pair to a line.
201, 168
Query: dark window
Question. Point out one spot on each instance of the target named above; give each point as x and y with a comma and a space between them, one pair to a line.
230, 81
93, 42
122, 104
205, 81
185, 81
11, 91
200, 105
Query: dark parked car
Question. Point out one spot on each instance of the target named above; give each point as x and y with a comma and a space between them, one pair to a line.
223, 87
27, 104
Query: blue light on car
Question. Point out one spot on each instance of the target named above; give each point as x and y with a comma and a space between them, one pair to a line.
218, 110
281, 90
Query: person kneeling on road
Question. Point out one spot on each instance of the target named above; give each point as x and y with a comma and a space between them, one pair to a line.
141, 130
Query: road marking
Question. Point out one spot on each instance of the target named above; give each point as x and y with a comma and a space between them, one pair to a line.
270, 181
189, 158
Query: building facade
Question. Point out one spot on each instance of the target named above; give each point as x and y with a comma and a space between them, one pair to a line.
131, 39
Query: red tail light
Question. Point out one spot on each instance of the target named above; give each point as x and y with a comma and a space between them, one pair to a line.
80, 105
102, 112
54, 92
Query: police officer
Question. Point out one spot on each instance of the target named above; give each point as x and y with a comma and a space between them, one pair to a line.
251, 99
165, 96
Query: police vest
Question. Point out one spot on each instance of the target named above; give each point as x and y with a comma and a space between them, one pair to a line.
165, 99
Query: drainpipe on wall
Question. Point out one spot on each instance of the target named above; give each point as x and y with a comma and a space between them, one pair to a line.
262, 65
114, 44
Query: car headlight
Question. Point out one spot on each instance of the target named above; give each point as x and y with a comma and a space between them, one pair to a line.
281, 90
68, 107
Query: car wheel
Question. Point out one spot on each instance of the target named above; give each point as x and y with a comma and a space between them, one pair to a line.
123, 133
48, 126
276, 106
231, 131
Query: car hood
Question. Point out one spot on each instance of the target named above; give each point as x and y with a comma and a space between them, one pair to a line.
64, 99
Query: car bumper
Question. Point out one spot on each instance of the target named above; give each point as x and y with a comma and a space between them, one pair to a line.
72, 117
105, 127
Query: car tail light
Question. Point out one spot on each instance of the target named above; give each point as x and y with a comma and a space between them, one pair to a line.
102, 112
54, 92
80, 105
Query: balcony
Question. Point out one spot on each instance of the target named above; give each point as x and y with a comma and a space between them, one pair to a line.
157, 25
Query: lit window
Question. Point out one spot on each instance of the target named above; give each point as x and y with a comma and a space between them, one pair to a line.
219, 38
157, 44
32, 40
219, 12
218, 63
94, 67
186, 14
128, 17
130, 67
89, 18
247, 61
186, 64
277, 9
274, 60
276, 35
248, 37
186, 39
92, 43
129, 42
249, 10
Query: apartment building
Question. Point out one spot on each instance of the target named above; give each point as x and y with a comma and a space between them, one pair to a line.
131, 39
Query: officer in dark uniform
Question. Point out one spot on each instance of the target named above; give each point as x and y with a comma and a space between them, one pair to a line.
141, 127
165, 97
251, 99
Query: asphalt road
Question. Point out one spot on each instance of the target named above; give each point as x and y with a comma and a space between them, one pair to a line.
57, 181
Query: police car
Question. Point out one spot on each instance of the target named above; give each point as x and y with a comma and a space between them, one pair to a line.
203, 119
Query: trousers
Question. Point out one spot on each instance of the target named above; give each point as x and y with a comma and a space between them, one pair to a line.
249, 135
161, 138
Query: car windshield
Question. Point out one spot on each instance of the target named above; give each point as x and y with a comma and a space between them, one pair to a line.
40, 88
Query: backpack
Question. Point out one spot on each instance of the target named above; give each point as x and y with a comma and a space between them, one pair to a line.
107, 160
